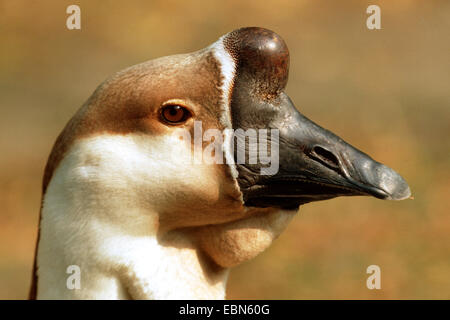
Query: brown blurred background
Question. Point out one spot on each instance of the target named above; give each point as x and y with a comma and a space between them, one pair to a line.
385, 91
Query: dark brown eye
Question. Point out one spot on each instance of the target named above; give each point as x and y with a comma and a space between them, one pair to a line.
175, 114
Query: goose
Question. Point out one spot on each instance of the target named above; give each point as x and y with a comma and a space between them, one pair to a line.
121, 202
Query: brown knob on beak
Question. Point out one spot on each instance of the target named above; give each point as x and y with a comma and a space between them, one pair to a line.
262, 58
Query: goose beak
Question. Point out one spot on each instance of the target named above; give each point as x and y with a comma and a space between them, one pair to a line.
315, 164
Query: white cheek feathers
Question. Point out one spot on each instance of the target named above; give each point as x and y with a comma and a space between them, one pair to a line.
103, 211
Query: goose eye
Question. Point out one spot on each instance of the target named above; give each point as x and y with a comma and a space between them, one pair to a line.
175, 114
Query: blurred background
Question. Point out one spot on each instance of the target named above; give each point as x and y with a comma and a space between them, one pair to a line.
384, 91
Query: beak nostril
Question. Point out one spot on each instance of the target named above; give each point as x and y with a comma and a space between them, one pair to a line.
326, 157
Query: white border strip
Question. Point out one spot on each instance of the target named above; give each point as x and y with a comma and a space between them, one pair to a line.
228, 71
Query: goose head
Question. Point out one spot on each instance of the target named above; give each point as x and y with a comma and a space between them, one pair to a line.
154, 153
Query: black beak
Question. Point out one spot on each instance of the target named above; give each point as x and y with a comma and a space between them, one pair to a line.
314, 164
